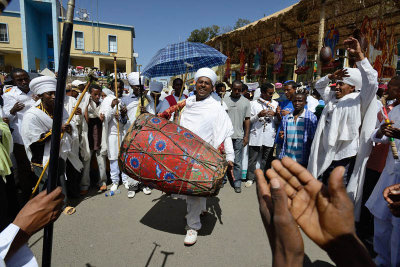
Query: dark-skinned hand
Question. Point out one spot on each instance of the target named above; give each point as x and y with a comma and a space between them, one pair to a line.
315, 207
339, 74
353, 48
66, 128
17, 107
40, 211
283, 234
114, 103
78, 111
390, 131
392, 197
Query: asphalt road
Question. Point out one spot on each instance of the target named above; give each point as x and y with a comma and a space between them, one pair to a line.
149, 231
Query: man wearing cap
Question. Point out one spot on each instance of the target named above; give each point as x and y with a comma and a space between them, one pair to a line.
205, 116
343, 134
172, 100
36, 130
154, 97
80, 85
16, 102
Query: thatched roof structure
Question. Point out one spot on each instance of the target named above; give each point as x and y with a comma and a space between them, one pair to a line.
304, 16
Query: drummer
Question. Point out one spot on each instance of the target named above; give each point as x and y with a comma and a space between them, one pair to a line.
204, 116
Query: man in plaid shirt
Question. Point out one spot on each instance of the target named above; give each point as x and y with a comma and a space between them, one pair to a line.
299, 128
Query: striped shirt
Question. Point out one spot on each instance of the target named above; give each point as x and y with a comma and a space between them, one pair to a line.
294, 138
301, 134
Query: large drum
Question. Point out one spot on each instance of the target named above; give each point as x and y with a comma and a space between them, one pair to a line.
170, 158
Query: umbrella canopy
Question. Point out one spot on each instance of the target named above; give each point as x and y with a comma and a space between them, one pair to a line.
171, 60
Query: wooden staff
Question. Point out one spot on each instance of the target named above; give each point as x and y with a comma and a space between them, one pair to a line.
62, 134
57, 121
116, 96
141, 90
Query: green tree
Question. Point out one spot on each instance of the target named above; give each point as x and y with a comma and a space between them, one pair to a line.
204, 34
240, 23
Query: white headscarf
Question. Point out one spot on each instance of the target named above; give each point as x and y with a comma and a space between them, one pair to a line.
107, 91
133, 78
355, 78
206, 72
156, 87
43, 84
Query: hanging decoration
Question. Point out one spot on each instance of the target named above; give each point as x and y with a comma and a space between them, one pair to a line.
242, 58
257, 61
278, 55
302, 47
332, 39
382, 49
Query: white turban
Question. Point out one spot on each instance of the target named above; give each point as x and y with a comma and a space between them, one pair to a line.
206, 72
76, 83
133, 78
355, 78
156, 87
107, 91
43, 84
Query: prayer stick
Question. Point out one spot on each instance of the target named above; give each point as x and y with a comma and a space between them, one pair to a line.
391, 139
116, 96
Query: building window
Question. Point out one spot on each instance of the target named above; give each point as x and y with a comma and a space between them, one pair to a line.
112, 44
79, 41
4, 33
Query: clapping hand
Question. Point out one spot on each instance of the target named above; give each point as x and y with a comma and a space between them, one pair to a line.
324, 213
283, 234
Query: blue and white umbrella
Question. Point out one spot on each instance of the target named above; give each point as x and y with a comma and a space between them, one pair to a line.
170, 61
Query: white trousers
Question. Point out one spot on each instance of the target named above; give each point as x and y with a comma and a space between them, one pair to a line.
114, 173
101, 161
194, 206
386, 242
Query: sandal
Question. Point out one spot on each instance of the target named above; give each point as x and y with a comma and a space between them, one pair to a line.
69, 210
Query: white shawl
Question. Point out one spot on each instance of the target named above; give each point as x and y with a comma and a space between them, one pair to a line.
207, 119
34, 124
344, 119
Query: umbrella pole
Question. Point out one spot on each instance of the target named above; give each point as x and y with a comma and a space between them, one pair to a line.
56, 127
116, 96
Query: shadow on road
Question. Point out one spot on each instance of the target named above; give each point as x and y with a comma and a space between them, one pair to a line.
168, 215
308, 263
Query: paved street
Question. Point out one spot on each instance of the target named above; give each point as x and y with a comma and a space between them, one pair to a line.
149, 231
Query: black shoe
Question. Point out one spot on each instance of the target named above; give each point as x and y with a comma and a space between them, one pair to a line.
238, 190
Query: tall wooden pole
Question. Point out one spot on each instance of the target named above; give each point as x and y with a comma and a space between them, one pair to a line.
57, 121
321, 34
116, 96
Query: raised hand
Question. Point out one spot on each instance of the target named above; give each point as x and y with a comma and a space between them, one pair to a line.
323, 213
338, 74
354, 48
283, 234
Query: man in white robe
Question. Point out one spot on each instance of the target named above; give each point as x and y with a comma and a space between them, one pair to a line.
205, 116
17, 100
36, 131
343, 134
386, 226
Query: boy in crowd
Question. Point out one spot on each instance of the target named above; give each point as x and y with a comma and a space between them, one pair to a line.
298, 131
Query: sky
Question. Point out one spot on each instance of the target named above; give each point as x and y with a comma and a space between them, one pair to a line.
159, 23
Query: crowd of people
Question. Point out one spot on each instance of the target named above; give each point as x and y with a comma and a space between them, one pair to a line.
324, 149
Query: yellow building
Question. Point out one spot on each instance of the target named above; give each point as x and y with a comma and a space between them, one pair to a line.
31, 39
11, 55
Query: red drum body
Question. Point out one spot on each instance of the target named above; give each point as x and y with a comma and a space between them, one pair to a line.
170, 158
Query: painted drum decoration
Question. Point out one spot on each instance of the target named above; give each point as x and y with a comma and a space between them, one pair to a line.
170, 158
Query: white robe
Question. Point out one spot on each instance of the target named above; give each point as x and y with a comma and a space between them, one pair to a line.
109, 137
34, 124
73, 156
339, 136
209, 120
